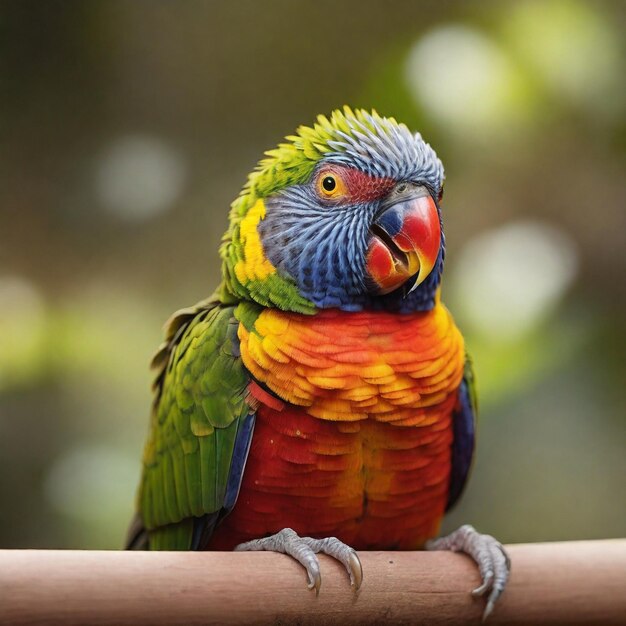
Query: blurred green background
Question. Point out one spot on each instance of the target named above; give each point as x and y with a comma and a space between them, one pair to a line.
128, 127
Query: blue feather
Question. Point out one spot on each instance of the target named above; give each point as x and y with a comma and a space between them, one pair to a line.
240, 455
464, 427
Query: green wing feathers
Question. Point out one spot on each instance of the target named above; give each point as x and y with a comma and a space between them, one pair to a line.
200, 401
470, 380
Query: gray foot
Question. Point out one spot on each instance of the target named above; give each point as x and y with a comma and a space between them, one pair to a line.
493, 562
304, 549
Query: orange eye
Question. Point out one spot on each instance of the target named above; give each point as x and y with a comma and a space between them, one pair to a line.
330, 185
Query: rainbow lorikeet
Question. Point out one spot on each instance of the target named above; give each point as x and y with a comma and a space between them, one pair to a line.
321, 400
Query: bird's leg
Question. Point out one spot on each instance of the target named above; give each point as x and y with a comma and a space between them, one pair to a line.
304, 549
493, 562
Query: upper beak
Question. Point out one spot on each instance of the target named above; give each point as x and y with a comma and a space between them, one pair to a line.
404, 238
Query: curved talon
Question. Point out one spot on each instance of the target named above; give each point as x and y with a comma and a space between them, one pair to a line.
315, 581
356, 571
342, 553
489, 554
304, 549
485, 586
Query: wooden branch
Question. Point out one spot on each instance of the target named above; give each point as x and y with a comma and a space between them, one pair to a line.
554, 583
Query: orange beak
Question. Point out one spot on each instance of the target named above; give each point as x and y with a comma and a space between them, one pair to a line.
405, 238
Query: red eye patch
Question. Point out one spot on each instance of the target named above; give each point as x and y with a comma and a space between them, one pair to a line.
356, 186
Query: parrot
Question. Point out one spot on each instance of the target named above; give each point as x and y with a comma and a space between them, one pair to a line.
321, 400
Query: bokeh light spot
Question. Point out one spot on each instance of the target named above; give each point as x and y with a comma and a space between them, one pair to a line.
573, 48
506, 280
22, 329
464, 80
138, 177
92, 482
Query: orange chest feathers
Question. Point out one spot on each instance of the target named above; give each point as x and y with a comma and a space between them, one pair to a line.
357, 445
348, 367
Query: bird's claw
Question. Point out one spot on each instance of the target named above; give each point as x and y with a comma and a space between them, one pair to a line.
314, 575
304, 550
355, 570
493, 562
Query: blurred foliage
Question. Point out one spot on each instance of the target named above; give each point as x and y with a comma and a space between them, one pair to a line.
127, 129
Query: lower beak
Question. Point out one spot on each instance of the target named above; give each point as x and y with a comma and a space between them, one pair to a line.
404, 239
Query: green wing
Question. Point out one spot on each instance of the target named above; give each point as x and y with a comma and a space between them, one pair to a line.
470, 379
200, 407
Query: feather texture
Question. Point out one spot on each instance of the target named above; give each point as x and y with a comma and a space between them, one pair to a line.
201, 426
361, 449
299, 396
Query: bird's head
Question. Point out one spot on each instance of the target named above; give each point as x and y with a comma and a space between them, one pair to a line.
345, 215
